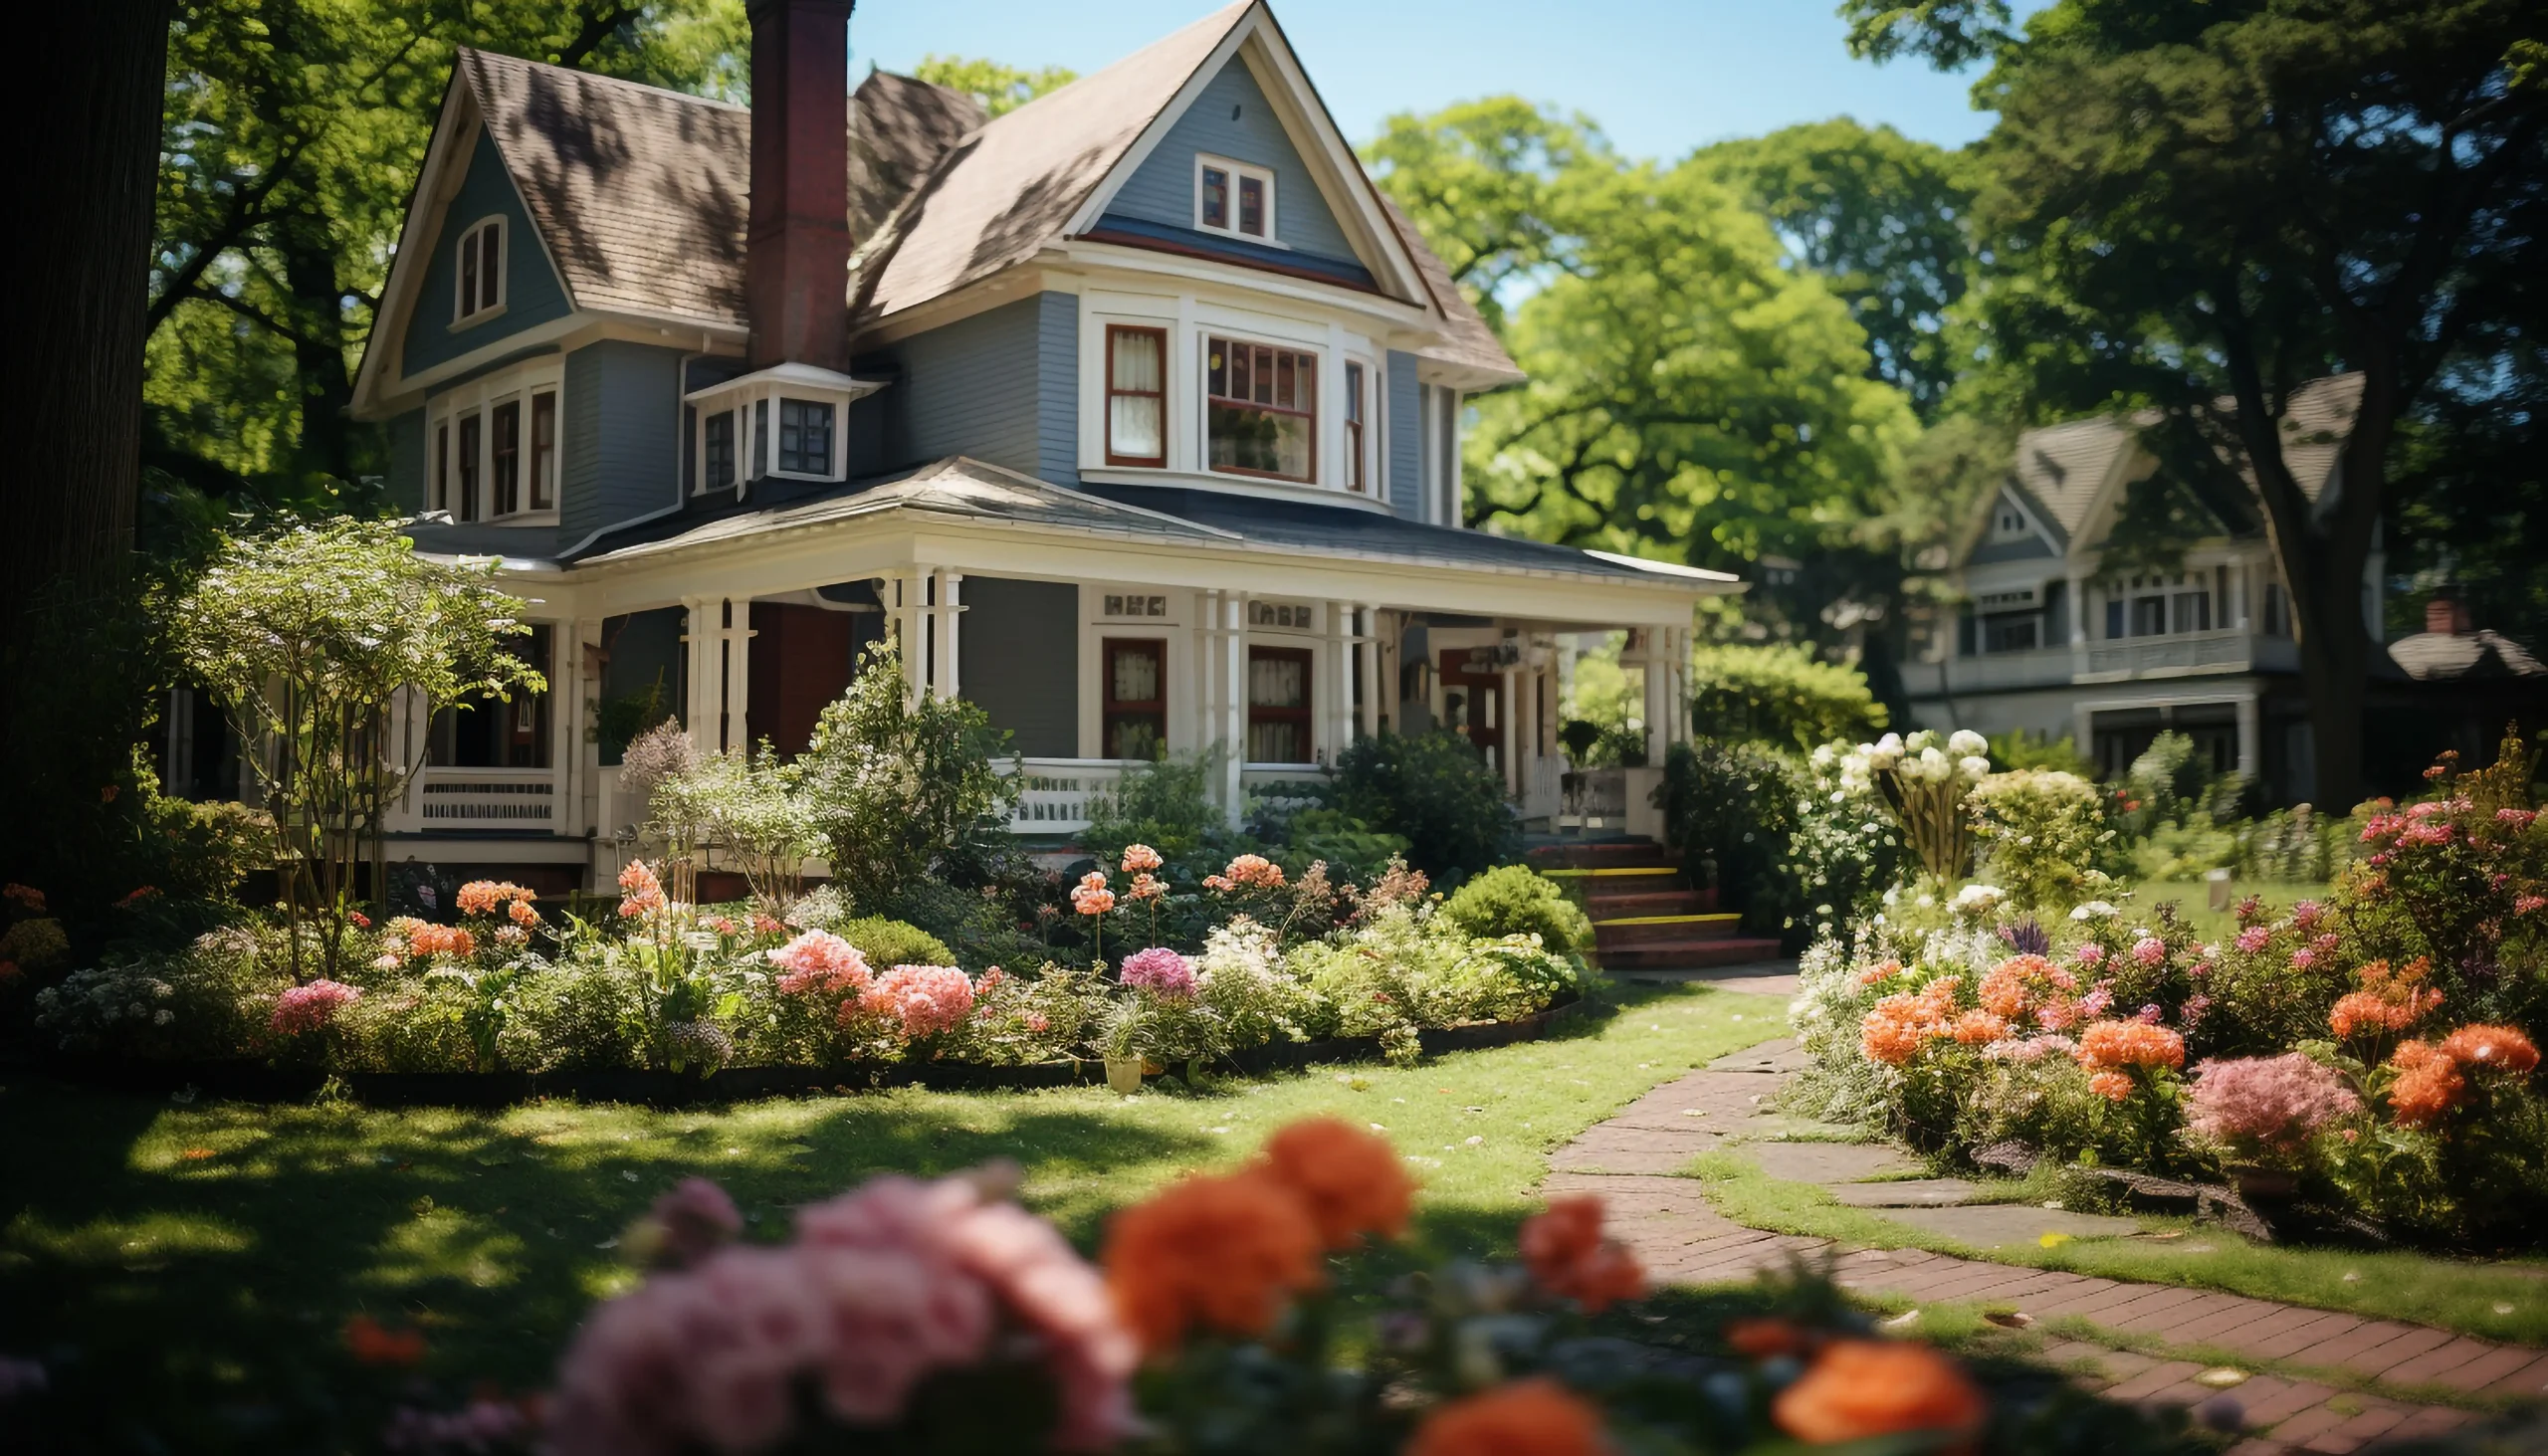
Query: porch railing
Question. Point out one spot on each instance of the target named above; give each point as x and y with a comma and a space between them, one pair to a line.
480, 798
1057, 792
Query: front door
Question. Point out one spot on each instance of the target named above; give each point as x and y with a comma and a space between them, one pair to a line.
1473, 700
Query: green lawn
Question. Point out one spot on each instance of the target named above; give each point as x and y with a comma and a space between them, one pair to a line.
186, 1270
2493, 1301
2193, 900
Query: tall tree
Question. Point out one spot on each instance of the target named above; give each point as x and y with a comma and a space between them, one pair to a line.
71, 487
1001, 88
1691, 396
292, 134
1886, 221
2230, 198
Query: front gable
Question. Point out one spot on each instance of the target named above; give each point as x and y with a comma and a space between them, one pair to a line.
1230, 120
432, 334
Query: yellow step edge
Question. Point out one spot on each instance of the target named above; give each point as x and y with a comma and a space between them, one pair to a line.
1586, 874
1719, 918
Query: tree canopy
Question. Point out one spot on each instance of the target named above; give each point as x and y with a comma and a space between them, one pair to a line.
1001, 88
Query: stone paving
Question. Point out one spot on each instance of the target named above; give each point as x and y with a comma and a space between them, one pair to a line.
1632, 1158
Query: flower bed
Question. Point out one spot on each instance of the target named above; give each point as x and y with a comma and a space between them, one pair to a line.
669, 1002
2373, 1054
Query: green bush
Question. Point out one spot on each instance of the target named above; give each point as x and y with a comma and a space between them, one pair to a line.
1779, 695
2169, 780
2019, 749
575, 1016
888, 943
1435, 791
2040, 832
1351, 849
1515, 900
1730, 810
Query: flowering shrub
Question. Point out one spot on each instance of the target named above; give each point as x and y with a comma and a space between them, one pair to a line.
2040, 830
1924, 780
2257, 1108
920, 1000
310, 1008
1160, 972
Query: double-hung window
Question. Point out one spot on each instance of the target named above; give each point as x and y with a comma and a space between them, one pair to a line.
1278, 704
1133, 720
1234, 199
1260, 409
472, 434
1355, 478
495, 451
479, 277
543, 450
1136, 395
508, 458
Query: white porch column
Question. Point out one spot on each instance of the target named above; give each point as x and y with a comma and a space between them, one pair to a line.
2251, 737
1233, 726
704, 671
1653, 661
1335, 720
1511, 723
903, 594
1367, 670
738, 674
944, 631
576, 677
1676, 687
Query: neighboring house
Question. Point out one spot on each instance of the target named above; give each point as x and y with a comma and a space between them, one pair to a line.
1134, 414
2050, 641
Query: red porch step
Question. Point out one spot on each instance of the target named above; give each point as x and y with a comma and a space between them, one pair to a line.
1691, 953
1604, 905
1651, 930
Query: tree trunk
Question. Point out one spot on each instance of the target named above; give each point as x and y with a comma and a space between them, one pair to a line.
318, 348
72, 487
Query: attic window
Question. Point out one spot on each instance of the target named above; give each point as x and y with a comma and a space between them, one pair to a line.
2008, 523
1233, 199
480, 276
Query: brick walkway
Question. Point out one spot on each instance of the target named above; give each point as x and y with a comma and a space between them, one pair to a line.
1666, 1219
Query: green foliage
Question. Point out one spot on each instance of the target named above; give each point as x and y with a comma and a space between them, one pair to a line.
1001, 88
1515, 900
1165, 804
308, 634
1437, 792
888, 943
1690, 395
1351, 848
1779, 695
1885, 220
2018, 748
2170, 779
1730, 811
2040, 833
751, 808
898, 780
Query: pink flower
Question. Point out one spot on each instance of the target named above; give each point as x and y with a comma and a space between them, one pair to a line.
1159, 969
2304, 957
2306, 914
2149, 950
1092, 897
2528, 904
1247, 872
2095, 1004
692, 1221
924, 1000
640, 892
312, 1008
2253, 938
2091, 953
819, 961
1141, 859
2275, 1103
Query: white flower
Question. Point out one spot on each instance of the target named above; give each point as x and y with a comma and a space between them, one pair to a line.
1975, 767
1967, 742
2094, 909
1977, 900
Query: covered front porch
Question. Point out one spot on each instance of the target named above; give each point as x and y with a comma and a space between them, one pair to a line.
1098, 641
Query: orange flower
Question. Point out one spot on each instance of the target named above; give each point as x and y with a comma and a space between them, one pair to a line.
1973, 1028
2023, 983
1567, 1255
2389, 1001
1212, 1253
2112, 1085
1762, 1339
373, 1345
2111, 1044
2428, 1084
2492, 1049
1535, 1418
1899, 1025
1883, 971
1350, 1180
1859, 1388
522, 914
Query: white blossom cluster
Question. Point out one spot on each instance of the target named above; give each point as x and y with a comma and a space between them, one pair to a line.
1923, 758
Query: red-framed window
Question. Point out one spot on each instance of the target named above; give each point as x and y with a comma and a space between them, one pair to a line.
1278, 704
1260, 409
1136, 395
1133, 719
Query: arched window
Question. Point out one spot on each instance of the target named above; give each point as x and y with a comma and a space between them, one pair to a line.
479, 277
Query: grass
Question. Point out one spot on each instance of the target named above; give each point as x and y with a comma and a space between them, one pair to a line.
186, 1271
2393, 1285
2193, 900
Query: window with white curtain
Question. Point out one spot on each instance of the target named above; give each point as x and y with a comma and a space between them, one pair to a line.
1136, 395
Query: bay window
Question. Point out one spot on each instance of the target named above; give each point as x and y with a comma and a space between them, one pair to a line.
1136, 395
1260, 410
787, 421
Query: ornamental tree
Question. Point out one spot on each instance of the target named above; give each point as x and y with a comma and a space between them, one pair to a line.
309, 635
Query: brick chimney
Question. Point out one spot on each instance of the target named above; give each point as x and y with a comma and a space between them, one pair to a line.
797, 265
2446, 614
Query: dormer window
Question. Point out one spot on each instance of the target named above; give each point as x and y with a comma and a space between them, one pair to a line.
1233, 199
479, 277
783, 422
2008, 523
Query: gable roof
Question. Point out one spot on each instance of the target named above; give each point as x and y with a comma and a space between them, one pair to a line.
2067, 473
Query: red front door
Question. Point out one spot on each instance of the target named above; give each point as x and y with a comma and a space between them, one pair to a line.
1472, 700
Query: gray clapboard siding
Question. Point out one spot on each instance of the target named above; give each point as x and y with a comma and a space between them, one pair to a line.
533, 294
1404, 418
1001, 386
407, 461
622, 426
1232, 118
2029, 547
1020, 661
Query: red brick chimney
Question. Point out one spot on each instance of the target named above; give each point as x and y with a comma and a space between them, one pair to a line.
2446, 614
796, 267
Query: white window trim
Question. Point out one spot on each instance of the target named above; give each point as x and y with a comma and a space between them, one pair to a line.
1319, 423
1272, 237
741, 398
1375, 429
504, 270
480, 396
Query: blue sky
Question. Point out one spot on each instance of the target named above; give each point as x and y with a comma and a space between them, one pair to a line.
1660, 76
